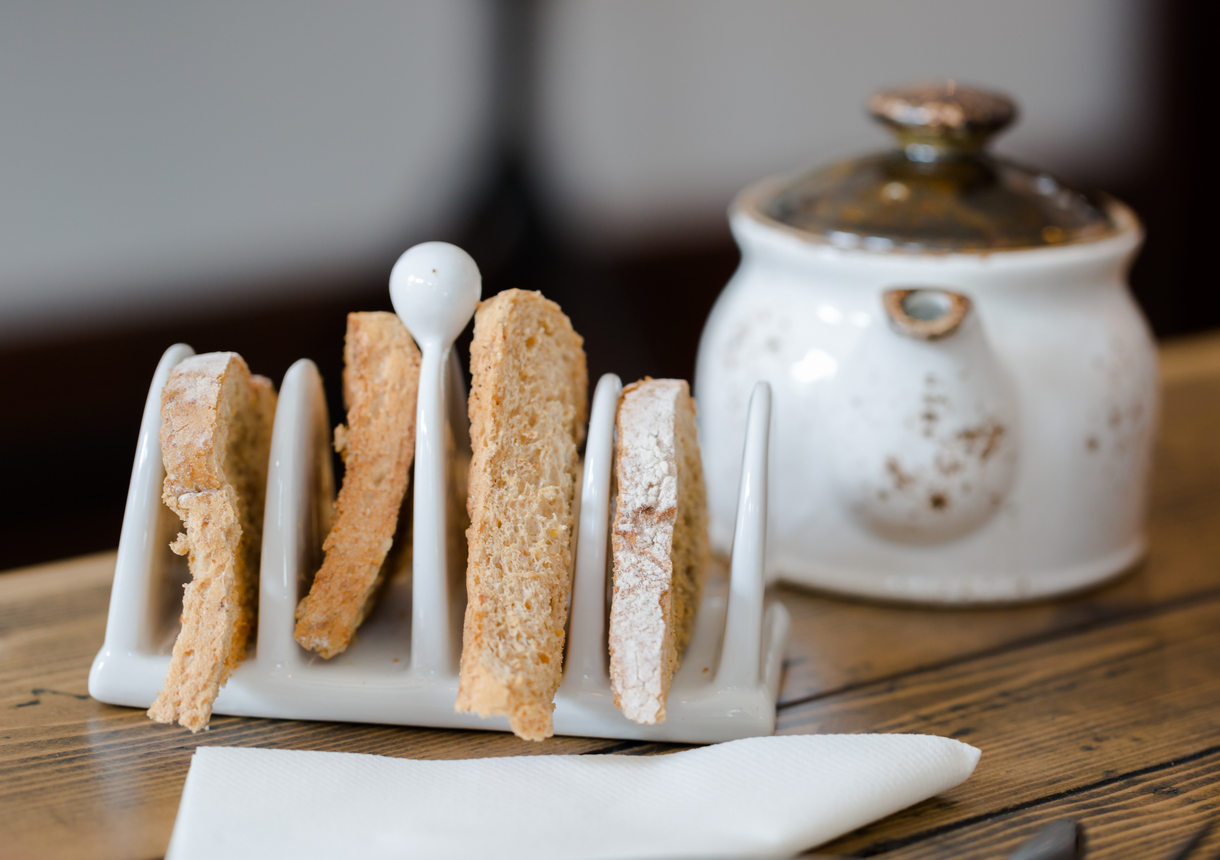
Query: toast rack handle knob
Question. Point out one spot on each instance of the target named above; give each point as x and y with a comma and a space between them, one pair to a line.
435, 288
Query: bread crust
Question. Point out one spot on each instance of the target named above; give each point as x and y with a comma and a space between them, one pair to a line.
216, 421
659, 541
528, 407
380, 386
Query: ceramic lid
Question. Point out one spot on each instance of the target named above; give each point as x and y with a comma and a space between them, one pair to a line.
939, 189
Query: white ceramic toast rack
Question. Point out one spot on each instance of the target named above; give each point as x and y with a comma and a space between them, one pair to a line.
401, 667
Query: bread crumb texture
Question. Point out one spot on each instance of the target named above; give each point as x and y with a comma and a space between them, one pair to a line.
528, 409
216, 421
660, 543
380, 385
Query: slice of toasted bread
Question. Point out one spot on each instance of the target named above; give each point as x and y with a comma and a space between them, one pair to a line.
528, 409
216, 423
380, 384
660, 543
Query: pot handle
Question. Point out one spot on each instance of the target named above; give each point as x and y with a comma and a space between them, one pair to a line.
925, 313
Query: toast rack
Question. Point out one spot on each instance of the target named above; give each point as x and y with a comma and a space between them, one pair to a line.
401, 667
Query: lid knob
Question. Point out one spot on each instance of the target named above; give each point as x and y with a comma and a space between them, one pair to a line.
944, 116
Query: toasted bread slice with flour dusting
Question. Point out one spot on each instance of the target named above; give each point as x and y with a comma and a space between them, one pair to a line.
660, 543
216, 421
528, 407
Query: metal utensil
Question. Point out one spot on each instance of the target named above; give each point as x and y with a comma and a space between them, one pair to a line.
1059, 840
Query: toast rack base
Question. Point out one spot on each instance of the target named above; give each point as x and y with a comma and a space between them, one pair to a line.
371, 682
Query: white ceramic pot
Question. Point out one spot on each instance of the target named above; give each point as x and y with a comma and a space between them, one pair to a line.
1005, 459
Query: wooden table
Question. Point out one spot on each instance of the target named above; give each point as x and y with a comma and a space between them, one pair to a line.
1104, 707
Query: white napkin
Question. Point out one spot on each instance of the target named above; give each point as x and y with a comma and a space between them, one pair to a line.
763, 797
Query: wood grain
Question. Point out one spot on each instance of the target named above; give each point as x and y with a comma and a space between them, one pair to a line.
1146, 814
1104, 706
1055, 717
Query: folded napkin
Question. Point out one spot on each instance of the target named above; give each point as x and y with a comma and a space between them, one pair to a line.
759, 797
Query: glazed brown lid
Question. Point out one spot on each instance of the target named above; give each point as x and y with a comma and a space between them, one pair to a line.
939, 189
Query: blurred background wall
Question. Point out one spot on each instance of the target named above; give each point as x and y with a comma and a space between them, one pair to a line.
162, 158
650, 116
241, 177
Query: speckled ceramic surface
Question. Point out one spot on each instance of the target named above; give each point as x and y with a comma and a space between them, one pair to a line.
1054, 362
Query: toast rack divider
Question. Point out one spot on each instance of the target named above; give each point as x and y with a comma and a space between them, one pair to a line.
585, 665
292, 533
741, 653
131, 624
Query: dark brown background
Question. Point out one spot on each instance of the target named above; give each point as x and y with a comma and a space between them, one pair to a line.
72, 407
